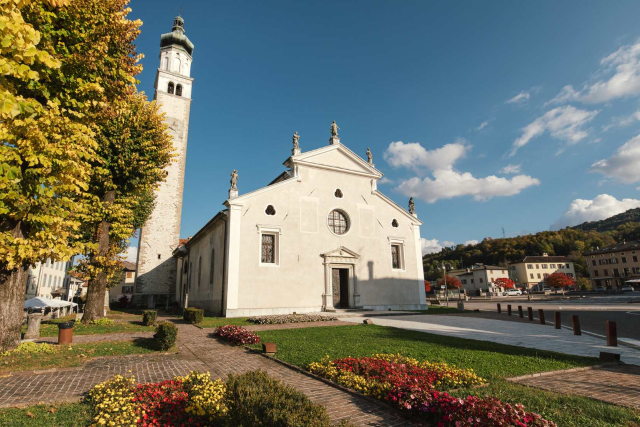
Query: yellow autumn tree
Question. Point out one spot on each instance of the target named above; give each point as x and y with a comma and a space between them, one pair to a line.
68, 74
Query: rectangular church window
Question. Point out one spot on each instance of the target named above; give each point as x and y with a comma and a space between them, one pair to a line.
268, 249
396, 257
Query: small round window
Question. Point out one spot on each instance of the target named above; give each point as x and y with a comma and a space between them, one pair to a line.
338, 193
338, 222
394, 223
270, 210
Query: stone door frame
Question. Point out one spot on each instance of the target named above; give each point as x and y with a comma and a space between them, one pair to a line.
344, 258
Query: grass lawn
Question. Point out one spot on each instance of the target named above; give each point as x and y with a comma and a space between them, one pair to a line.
74, 355
214, 322
68, 415
491, 361
49, 328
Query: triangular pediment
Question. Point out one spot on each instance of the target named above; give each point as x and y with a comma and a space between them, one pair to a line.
340, 251
337, 157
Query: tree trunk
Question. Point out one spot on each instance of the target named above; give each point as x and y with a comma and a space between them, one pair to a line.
97, 287
13, 285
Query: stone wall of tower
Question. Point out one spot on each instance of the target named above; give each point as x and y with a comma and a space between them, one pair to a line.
161, 233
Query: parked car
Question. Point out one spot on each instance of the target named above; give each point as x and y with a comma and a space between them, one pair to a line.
627, 288
513, 293
599, 289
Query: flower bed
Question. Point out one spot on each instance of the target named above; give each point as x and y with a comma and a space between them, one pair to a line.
412, 387
290, 318
169, 403
252, 398
237, 335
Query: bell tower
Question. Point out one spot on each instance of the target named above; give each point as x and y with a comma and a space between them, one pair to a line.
155, 278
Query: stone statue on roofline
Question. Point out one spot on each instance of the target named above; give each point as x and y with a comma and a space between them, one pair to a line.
234, 180
369, 156
412, 206
296, 137
334, 129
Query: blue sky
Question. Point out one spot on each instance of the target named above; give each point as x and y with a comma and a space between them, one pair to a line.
447, 95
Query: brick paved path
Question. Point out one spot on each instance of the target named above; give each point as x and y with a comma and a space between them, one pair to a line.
619, 385
198, 351
67, 385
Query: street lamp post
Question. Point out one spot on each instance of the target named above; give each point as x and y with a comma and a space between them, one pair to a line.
444, 276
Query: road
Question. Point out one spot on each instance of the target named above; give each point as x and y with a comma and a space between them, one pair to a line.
594, 311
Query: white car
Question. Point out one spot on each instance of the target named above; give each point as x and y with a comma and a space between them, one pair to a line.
513, 292
627, 288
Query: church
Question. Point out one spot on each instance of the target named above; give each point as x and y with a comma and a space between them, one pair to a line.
319, 237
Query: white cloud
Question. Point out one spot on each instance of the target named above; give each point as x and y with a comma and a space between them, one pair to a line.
565, 123
385, 180
131, 254
622, 121
414, 156
471, 242
447, 243
601, 207
511, 169
624, 164
483, 125
446, 182
623, 70
521, 97
430, 246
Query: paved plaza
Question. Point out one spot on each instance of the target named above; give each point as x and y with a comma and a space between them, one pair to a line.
520, 334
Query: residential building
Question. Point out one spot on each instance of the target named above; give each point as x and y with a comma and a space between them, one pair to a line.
126, 285
611, 267
533, 270
50, 279
320, 236
479, 276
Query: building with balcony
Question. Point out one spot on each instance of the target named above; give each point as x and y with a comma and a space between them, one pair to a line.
612, 266
533, 270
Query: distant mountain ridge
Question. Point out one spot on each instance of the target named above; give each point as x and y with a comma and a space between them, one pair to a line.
571, 242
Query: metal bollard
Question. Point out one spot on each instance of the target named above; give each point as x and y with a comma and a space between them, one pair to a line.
541, 316
558, 320
499, 308
530, 313
509, 310
520, 312
612, 334
575, 322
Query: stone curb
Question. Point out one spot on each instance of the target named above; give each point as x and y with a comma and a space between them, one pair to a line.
562, 371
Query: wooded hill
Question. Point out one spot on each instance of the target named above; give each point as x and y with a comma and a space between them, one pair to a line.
571, 242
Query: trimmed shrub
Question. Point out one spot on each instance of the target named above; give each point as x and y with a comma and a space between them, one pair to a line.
237, 335
193, 315
255, 399
149, 317
165, 336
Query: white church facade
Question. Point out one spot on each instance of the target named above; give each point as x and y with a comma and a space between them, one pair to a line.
319, 237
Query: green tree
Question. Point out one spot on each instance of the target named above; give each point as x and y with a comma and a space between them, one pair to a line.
135, 148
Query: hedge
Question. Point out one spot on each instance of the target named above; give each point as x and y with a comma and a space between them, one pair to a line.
165, 336
149, 317
193, 315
